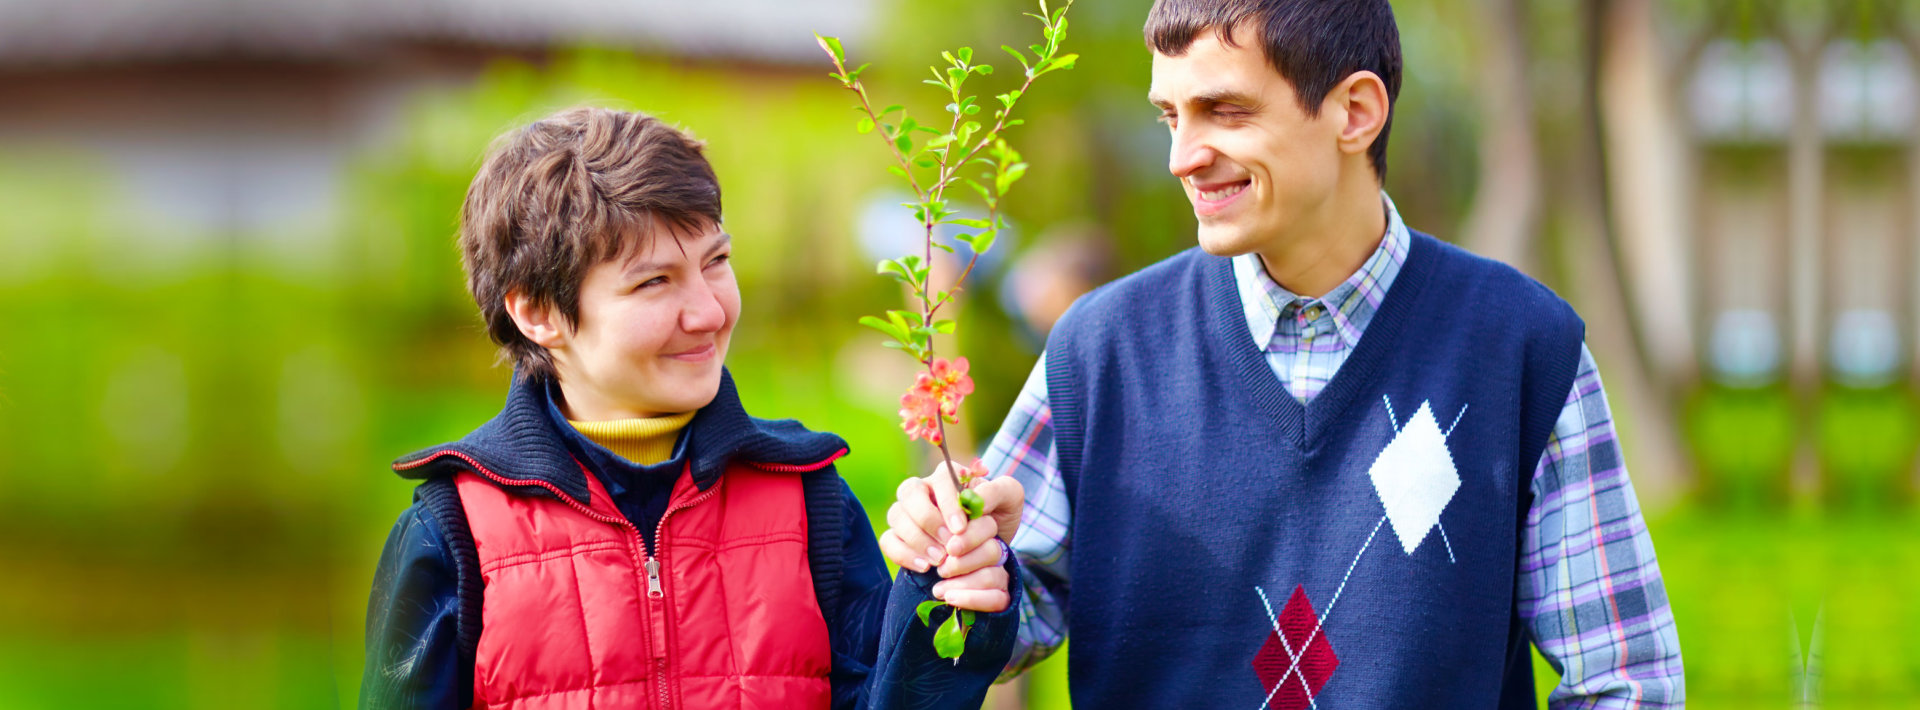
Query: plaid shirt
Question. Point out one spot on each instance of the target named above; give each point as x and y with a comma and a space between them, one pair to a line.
1591, 592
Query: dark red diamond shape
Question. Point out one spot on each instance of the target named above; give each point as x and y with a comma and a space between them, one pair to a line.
1276, 666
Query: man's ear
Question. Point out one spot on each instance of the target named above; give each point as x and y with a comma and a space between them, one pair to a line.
540, 324
1361, 103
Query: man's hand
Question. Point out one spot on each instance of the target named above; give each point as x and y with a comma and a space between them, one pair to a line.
927, 527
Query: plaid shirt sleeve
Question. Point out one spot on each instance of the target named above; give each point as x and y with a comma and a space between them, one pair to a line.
1024, 449
1591, 590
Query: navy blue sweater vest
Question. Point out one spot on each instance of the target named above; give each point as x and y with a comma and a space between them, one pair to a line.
1234, 549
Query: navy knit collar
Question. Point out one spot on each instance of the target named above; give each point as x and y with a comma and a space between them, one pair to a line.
604, 460
1304, 423
524, 449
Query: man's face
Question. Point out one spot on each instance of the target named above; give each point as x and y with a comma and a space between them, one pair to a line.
1257, 169
653, 328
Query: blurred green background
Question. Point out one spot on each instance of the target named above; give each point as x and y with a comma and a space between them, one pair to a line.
231, 296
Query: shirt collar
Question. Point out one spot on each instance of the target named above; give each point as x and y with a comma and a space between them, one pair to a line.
1351, 304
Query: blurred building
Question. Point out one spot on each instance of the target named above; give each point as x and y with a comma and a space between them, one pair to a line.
217, 118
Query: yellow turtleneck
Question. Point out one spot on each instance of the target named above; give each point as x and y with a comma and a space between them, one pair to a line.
642, 441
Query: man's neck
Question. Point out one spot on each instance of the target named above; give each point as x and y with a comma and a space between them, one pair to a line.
1325, 251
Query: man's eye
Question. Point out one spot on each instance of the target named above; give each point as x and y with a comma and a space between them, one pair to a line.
721, 259
1166, 118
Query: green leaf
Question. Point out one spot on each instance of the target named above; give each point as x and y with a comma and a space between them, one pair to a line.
985, 194
893, 268
854, 75
966, 54
940, 84
951, 639
865, 125
897, 170
983, 70
971, 110
925, 610
1005, 179
944, 326
956, 75
897, 331
983, 242
973, 223
832, 45
904, 142
943, 247
924, 162
1017, 56
890, 109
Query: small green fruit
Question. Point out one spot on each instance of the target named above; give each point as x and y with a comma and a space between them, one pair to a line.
971, 501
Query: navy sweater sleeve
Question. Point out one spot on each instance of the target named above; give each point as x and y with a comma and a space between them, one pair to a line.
412, 619
855, 630
907, 672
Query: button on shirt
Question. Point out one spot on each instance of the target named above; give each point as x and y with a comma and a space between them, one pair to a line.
1585, 543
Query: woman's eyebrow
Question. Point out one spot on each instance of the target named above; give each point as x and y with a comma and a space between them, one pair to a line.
641, 267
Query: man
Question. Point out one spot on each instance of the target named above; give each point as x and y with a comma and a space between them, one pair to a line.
1323, 460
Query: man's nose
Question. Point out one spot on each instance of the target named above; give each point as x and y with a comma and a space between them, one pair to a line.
1190, 152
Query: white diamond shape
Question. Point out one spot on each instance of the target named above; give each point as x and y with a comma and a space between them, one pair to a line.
1415, 478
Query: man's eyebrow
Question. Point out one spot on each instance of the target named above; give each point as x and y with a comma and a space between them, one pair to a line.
1226, 96
1209, 98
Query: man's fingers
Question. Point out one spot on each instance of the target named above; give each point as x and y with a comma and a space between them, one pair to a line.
980, 557
916, 540
999, 494
902, 553
979, 531
983, 590
1004, 498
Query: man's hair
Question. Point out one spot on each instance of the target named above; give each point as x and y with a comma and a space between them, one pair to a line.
570, 191
1315, 44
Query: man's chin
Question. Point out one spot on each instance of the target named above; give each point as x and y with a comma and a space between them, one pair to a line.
1223, 240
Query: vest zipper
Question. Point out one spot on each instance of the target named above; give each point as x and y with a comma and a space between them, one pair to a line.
656, 590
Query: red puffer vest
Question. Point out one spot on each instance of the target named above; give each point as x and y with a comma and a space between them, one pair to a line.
578, 615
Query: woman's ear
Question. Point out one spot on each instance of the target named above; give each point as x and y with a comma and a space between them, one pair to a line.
540, 324
1362, 100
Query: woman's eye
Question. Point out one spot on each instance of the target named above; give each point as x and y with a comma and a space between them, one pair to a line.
655, 281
